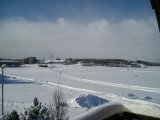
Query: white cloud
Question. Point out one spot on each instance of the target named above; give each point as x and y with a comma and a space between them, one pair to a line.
128, 39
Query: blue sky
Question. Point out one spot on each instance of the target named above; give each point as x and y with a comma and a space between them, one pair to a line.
124, 29
75, 9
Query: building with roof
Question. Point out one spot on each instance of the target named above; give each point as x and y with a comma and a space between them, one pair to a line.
11, 63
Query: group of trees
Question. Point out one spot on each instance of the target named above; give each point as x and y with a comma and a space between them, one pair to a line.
57, 110
147, 63
58, 58
30, 60
101, 62
109, 62
89, 62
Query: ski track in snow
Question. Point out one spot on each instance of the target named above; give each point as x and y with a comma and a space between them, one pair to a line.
55, 84
141, 88
73, 88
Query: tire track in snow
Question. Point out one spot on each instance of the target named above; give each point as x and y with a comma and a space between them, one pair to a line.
141, 88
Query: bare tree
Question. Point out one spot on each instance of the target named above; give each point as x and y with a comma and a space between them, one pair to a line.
58, 108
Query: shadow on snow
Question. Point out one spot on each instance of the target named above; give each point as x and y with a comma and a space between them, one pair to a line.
13, 80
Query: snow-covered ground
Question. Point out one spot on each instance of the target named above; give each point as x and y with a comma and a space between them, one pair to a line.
133, 86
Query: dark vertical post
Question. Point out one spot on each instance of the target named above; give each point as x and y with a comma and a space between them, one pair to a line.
2, 90
2, 67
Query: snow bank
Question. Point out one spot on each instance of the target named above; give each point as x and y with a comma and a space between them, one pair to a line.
88, 101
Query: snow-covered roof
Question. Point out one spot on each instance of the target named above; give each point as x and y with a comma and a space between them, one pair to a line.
102, 112
106, 110
8, 61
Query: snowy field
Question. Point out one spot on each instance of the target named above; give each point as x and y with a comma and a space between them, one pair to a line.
132, 86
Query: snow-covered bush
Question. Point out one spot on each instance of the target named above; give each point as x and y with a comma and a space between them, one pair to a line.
58, 108
12, 116
35, 112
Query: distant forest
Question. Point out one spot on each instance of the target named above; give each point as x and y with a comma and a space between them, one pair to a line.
110, 62
83, 62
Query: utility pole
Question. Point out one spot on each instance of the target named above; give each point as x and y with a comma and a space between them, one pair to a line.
51, 61
2, 67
